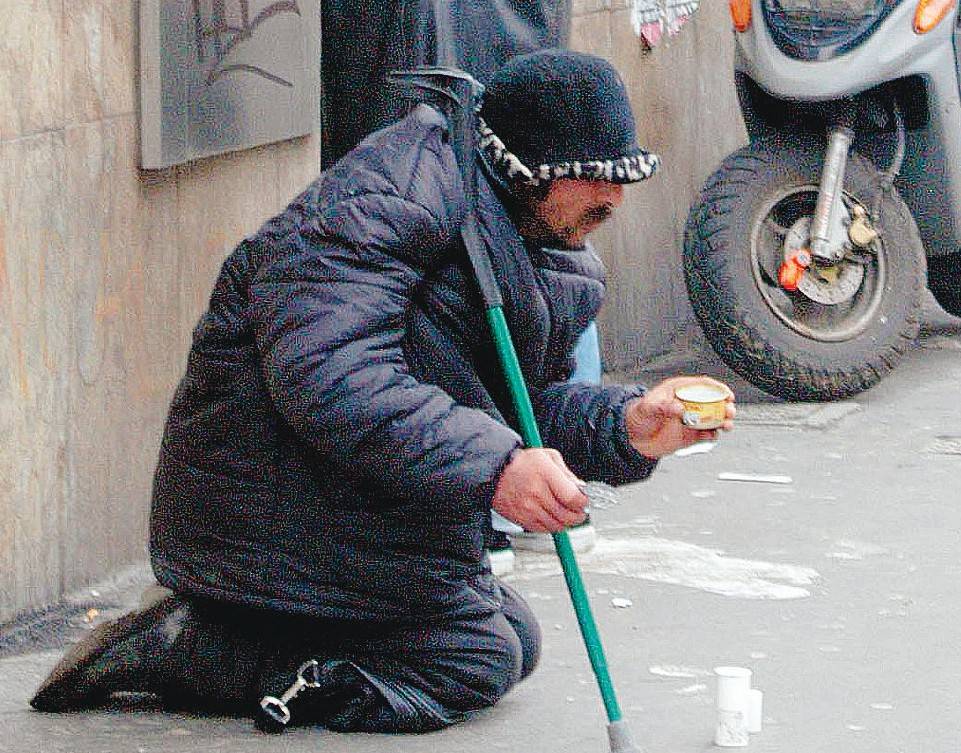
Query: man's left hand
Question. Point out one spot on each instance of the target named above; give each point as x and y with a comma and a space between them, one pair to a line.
654, 424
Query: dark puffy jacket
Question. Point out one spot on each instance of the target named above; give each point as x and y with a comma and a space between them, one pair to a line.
335, 443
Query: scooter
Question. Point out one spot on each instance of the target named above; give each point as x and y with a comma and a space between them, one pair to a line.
807, 251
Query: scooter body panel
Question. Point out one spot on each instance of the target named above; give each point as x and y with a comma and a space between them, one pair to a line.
930, 178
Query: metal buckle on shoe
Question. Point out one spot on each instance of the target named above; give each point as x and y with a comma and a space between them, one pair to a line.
276, 708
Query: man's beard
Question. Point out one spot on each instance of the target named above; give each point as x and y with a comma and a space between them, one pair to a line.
563, 239
571, 237
539, 233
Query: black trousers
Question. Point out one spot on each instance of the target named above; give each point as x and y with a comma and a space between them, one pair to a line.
379, 678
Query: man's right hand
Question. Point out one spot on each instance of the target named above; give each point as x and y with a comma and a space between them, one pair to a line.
539, 492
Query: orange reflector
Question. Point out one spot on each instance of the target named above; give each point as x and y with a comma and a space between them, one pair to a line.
928, 14
741, 13
793, 269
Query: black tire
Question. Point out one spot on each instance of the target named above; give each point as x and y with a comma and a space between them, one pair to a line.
944, 281
726, 294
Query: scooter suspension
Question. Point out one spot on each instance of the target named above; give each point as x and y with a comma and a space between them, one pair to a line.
826, 226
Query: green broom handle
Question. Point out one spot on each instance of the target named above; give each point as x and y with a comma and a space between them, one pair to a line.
575, 584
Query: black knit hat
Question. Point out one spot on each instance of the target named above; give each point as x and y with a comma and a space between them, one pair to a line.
556, 113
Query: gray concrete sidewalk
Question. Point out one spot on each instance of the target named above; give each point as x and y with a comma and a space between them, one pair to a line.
840, 591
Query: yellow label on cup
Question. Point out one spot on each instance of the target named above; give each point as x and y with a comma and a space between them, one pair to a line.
705, 405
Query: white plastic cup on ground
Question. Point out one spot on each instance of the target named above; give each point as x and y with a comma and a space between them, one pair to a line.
731, 731
756, 711
733, 706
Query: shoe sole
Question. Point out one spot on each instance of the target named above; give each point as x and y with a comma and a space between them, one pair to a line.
66, 688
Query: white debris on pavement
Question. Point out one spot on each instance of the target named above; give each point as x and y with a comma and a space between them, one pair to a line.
536, 595
855, 550
783, 490
621, 603
696, 449
759, 478
680, 563
675, 670
694, 689
842, 556
644, 525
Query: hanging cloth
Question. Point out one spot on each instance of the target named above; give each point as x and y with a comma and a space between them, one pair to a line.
363, 40
651, 19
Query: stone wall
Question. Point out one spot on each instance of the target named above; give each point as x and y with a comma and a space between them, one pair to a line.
683, 97
104, 270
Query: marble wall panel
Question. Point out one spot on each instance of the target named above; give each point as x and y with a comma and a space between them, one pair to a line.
237, 193
120, 57
592, 33
111, 439
31, 61
35, 336
104, 269
582, 7
83, 72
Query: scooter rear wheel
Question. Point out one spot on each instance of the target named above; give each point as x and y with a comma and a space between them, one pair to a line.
791, 344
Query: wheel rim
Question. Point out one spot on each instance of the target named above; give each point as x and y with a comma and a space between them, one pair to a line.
822, 322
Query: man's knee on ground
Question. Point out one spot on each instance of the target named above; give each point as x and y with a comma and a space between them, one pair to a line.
525, 625
481, 675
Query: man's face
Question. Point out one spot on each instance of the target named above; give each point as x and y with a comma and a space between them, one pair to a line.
571, 209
